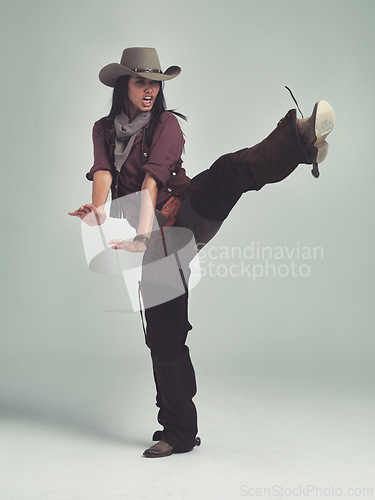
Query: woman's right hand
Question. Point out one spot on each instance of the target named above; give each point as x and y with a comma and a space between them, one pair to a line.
90, 214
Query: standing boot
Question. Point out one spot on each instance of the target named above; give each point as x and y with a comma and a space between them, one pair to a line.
166, 333
176, 387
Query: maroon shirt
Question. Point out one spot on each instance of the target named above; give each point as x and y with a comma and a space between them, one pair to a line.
165, 150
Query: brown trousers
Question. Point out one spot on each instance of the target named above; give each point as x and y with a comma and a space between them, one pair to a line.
213, 194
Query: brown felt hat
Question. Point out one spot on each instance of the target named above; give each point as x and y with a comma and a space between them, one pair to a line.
137, 61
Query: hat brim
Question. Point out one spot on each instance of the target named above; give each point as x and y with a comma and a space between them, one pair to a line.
110, 73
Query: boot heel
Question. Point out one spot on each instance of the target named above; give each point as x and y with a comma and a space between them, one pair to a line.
322, 148
322, 151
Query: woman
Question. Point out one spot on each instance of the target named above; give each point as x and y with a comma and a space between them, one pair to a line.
137, 149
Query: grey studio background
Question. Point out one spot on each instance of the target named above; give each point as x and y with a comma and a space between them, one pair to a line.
284, 364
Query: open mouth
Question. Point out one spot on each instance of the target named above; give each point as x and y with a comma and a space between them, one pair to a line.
147, 101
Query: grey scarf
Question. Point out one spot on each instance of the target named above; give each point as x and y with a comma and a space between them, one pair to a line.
126, 131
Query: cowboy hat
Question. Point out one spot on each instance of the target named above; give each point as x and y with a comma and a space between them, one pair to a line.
137, 61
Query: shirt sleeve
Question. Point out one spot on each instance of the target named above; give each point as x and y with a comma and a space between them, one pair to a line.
101, 161
166, 149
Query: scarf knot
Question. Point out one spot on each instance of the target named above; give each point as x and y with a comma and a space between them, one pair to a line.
126, 132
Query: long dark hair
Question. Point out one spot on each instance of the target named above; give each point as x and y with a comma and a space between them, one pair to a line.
120, 103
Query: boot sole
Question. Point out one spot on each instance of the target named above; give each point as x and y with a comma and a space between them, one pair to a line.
321, 121
324, 118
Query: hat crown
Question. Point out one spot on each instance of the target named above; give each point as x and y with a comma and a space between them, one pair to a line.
140, 58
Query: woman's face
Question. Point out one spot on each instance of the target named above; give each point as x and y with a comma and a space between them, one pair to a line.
142, 94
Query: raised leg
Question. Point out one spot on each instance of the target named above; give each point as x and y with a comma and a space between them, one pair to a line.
215, 191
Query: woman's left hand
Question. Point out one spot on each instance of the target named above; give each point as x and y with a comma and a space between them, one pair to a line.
129, 246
